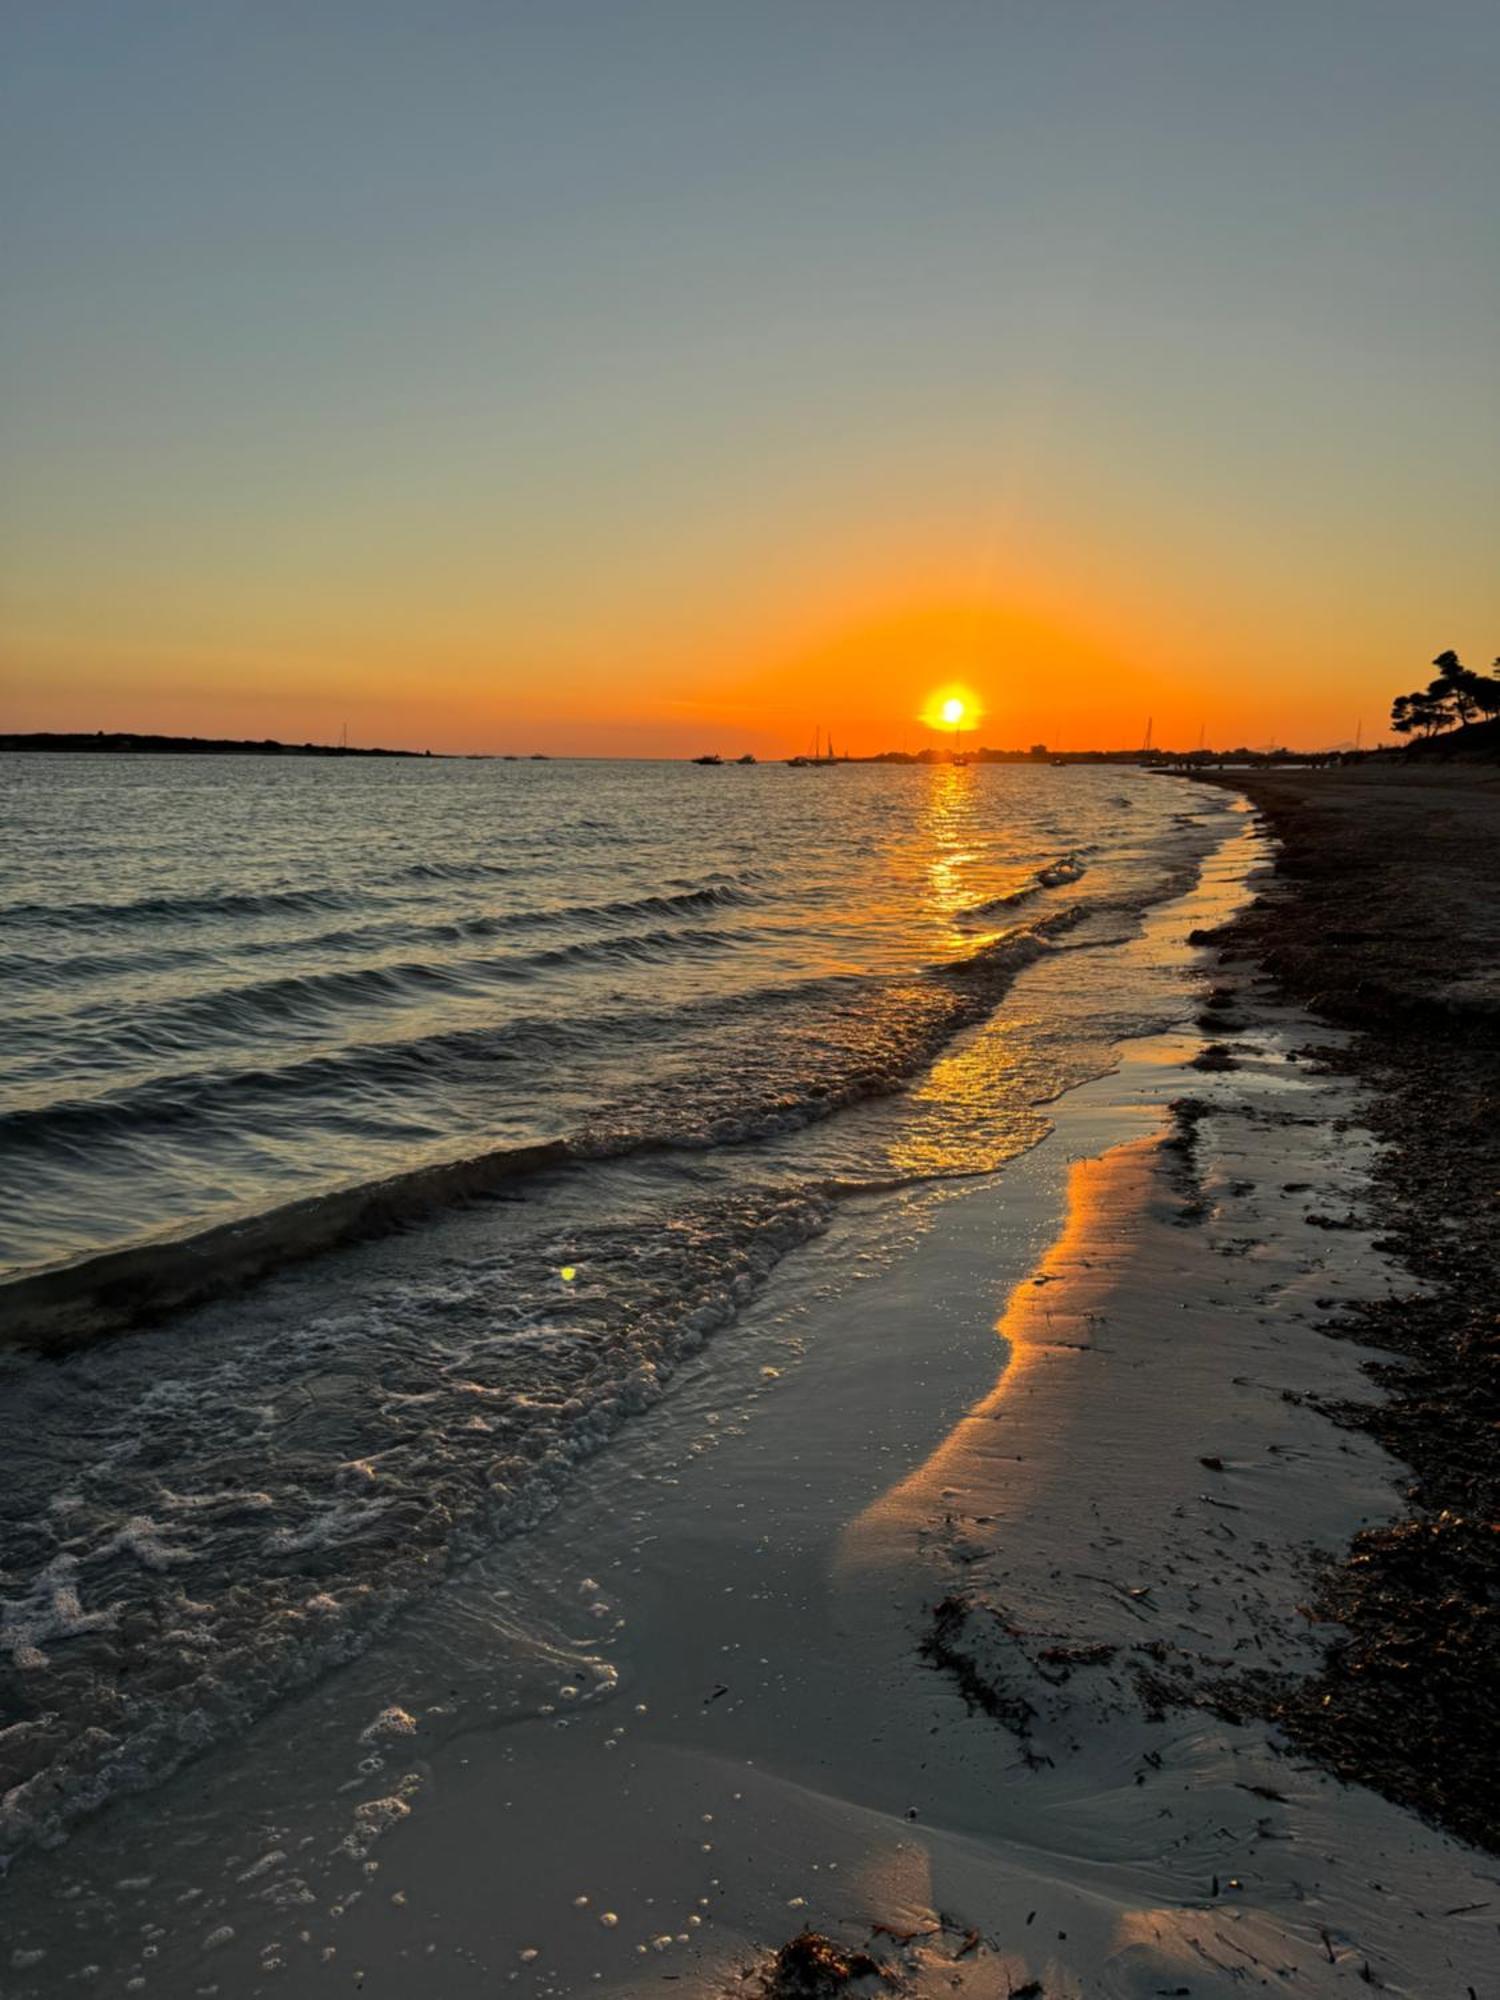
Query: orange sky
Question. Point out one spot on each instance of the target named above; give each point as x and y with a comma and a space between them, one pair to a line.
664, 380
1069, 667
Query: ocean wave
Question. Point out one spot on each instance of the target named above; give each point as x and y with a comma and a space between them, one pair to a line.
210, 905
183, 909
309, 1004
450, 871
824, 1047
192, 1096
1058, 874
46, 971
146, 1616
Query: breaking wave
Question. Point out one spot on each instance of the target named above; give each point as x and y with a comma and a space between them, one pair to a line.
1062, 873
835, 1043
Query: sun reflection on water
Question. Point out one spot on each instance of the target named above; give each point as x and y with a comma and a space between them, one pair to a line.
949, 822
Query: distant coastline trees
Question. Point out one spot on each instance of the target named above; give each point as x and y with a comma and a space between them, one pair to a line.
1456, 696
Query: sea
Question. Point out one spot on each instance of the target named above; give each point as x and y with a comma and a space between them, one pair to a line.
377, 1137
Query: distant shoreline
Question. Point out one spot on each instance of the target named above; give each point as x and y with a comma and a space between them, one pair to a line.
130, 743
1476, 741
125, 742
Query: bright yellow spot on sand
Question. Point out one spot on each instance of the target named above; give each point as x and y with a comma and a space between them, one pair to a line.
568, 1273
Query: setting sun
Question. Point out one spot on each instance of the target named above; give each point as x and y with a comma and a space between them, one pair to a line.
952, 707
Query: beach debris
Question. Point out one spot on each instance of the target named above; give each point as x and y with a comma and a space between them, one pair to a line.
1182, 1146
1213, 1462
1064, 1658
390, 1723
1215, 1056
958, 1623
1404, 1701
813, 1967
1187, 1114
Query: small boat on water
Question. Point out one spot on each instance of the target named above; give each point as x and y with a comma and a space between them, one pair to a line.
708, 760
746, 759
820, 757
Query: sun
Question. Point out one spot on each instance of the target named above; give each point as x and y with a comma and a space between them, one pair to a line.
952, 707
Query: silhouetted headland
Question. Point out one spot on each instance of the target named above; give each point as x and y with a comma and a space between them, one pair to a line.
130, 741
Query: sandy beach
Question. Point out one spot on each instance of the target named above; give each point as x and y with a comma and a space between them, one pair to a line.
1382, 918
958, 1609
750, 1001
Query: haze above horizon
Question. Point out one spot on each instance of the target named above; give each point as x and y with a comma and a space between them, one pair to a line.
667, 379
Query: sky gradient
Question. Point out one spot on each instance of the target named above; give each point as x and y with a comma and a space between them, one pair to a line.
655, 378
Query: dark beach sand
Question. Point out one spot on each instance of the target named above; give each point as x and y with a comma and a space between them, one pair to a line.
1384, 917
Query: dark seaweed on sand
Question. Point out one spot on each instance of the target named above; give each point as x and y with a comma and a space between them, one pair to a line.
1384, 920
812, 1967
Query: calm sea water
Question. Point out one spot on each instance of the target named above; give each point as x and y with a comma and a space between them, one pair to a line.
736, 998
230, 982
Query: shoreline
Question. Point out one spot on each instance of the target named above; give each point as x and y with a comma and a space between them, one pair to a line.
1382, 920
744, 1736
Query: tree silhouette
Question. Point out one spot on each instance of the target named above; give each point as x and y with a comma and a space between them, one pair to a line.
1456, 685
1455, 696
1420, 714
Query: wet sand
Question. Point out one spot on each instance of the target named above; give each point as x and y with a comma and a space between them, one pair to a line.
1383, 917
1384, 911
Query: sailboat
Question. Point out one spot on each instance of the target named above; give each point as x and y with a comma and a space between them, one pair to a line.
819, 757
